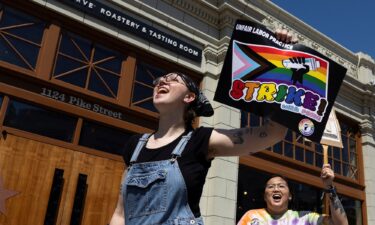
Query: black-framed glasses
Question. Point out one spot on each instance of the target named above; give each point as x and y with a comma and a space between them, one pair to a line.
168, 78
279, 186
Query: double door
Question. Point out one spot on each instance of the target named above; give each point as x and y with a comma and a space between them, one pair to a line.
56, 186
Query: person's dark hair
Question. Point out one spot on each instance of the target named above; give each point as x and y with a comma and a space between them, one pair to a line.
277, 175
189, 117
200, 106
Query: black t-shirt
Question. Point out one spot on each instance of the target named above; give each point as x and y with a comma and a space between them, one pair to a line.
193, 162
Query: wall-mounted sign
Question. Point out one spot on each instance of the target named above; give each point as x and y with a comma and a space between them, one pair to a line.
136, 27
51, 91
80, 102
293, 84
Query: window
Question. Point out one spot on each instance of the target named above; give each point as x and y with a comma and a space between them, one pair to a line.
143, 87
344, 161
103, 138
250, 120
20, 38
88, 65
348, 156
41, 121
353, 210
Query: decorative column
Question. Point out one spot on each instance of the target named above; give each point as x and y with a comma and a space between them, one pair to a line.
218, 202
366, 74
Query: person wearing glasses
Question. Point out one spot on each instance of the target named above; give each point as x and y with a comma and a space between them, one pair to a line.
277, 196
167, 169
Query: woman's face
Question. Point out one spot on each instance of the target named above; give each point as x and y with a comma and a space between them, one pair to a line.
170, 92
276, 195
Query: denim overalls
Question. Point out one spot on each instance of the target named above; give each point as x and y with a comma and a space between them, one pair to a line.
155, 192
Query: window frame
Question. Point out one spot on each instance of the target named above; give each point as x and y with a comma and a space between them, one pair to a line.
49, 48
142, 120
292, 161
271, 162
13, 67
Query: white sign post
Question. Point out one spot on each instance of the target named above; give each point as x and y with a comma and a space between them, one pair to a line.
331, 135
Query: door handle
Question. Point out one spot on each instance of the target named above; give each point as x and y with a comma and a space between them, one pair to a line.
79, 200
54, 197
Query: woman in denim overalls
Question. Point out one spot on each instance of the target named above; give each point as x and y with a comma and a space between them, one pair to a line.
155, 192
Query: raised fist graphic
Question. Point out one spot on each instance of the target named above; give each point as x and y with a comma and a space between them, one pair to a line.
299, 67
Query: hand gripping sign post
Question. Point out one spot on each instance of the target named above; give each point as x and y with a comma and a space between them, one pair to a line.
331, 135
294, 85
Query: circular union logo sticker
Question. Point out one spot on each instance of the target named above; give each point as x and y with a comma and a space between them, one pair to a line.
306, 127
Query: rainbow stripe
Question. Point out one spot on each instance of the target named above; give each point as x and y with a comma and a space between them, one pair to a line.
314, 80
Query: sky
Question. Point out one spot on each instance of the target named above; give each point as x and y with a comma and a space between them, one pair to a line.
351, 23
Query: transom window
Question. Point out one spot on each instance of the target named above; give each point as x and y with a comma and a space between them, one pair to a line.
57, 125
104, 138
76, 62
20, 38
39, 120
88, 65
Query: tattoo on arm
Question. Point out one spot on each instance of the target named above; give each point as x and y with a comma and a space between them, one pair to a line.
337, 204
237, 138
263, 134
238, 135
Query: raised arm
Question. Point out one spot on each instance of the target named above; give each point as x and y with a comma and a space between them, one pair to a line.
118, 217
243, 141
237, 142
338, 215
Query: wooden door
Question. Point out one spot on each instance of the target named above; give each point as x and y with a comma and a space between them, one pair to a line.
56, 185
102, 178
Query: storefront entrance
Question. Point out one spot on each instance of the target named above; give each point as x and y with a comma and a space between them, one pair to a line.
56, 185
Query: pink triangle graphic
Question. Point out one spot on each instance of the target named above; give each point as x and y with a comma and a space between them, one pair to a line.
241, 63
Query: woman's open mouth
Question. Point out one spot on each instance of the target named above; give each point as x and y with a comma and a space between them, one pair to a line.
162, 90
276, 197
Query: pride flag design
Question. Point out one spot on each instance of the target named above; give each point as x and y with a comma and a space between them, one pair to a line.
269, 64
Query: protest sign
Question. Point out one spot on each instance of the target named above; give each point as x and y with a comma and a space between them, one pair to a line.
294, 85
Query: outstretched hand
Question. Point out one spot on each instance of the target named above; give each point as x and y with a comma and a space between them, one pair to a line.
327, 175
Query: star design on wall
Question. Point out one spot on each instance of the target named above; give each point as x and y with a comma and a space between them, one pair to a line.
4, 195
